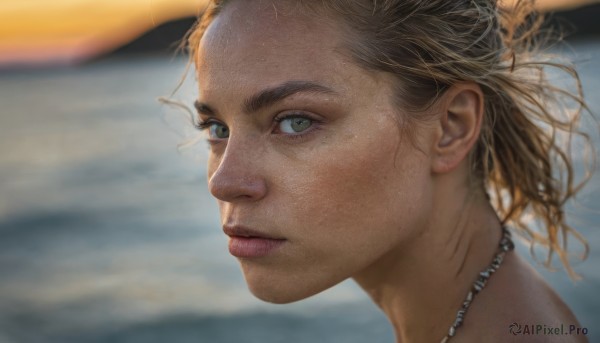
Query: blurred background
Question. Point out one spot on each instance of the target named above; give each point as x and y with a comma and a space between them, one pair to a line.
107, 230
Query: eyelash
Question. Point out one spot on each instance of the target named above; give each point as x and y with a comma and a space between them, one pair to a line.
205, 124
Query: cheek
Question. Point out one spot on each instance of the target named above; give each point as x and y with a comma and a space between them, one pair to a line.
355, 202
364, 178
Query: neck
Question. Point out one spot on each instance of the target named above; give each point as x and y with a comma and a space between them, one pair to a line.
421, 284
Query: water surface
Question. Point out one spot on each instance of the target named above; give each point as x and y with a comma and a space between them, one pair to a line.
108, 233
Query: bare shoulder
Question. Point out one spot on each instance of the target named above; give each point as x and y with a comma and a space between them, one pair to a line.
518, 305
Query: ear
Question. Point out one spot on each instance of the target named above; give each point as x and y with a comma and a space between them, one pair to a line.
458, 126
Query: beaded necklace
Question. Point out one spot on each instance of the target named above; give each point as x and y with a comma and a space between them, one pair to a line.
505, 246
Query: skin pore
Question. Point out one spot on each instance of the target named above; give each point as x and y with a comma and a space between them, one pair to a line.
351, 195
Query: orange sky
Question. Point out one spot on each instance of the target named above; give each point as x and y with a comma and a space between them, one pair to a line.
66, 31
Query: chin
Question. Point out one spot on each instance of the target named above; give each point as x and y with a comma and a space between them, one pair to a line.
279, 294
278, 298
283, 290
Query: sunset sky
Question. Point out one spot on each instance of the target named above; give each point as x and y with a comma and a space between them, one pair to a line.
67, 31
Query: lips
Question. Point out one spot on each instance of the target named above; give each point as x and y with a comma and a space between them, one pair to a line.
242, 231
248, 243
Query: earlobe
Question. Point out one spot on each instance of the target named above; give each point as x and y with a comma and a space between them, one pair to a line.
459, 125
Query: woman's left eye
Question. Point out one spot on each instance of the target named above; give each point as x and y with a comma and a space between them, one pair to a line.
294, 125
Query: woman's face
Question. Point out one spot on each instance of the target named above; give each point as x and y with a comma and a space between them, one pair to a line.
305, 148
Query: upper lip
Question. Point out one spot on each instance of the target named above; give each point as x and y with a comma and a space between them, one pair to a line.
242, 231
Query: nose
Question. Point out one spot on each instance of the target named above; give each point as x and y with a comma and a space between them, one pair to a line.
238, 176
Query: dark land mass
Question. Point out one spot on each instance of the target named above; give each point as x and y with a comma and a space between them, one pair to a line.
578, 24
164, 38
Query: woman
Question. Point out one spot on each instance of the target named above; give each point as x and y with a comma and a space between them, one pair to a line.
360, 138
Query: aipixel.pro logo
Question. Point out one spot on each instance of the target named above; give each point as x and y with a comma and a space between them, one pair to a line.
546, 330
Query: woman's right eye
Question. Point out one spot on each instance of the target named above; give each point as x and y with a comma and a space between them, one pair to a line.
216, 130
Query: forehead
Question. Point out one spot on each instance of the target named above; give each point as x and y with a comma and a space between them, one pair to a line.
267, 42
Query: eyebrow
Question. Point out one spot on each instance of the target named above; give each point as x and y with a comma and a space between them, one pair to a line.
270, 96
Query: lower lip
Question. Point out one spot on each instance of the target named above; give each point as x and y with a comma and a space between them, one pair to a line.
253, 246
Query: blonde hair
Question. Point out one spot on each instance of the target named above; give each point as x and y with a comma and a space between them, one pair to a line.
431, 45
